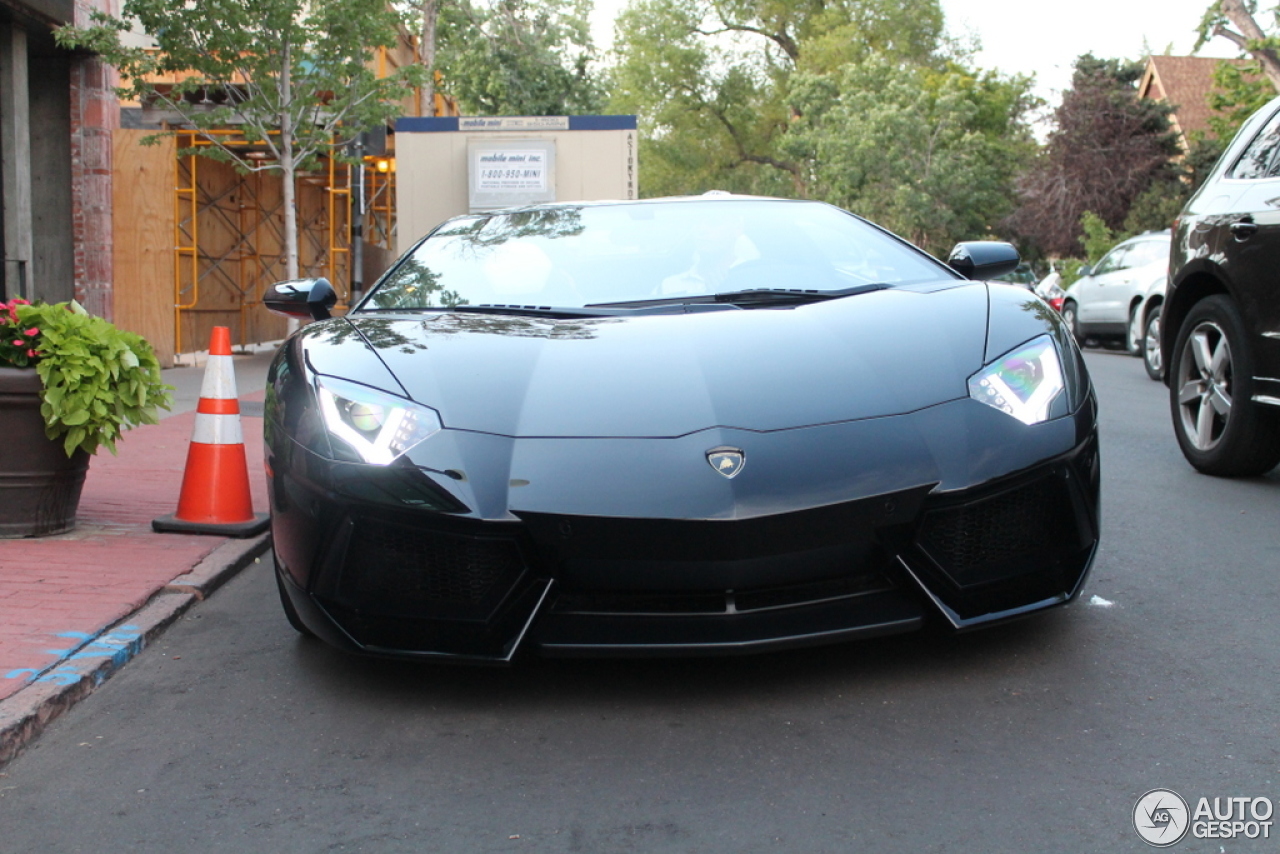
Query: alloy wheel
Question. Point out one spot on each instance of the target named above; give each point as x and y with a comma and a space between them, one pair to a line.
1069, 319
1151, 346
1204, 383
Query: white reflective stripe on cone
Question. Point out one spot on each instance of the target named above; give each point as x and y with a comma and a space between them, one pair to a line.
219, 379
217, 429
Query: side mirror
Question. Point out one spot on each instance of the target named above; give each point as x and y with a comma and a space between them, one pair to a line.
983, 259
309, 299
1086, 270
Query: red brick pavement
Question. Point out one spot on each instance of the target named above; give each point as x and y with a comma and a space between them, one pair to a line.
58, 592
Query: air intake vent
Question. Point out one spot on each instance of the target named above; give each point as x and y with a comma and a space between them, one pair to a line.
400, 569
996, 537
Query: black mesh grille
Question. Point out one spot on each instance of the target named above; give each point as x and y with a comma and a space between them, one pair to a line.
977, 541
400, 568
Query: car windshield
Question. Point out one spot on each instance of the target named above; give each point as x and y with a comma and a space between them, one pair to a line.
592, 255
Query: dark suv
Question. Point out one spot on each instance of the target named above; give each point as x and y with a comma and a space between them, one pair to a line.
1220, 340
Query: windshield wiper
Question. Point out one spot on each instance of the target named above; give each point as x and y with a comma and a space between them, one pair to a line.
790, 296
568, 312
736, 299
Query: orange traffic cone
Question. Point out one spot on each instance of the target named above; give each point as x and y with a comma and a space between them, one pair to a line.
215, 496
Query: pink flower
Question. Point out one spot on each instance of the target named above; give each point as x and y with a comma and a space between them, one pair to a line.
18, 342
31, 354
32, 332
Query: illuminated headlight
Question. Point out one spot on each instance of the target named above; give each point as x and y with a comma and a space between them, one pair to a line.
379, 427
1024, 382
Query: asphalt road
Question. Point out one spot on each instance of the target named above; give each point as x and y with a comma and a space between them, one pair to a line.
232, 734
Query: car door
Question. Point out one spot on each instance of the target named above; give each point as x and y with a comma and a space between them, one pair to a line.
1095, 294
1249, 240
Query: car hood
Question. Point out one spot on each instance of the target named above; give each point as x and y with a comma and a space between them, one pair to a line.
877, 354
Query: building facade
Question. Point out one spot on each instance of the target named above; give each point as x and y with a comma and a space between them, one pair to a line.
57, 113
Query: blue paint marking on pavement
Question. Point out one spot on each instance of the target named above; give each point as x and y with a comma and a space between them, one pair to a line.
115, 647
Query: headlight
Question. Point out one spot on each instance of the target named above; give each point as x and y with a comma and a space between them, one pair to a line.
378, 427
1024, 382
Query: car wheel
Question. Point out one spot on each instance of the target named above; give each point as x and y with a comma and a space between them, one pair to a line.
1072, 320
1133, 339
1150, 346
1219, 427
290, 613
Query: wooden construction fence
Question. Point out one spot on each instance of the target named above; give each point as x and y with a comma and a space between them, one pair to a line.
198, 243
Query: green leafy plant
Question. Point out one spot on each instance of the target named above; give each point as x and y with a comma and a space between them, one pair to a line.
99, 380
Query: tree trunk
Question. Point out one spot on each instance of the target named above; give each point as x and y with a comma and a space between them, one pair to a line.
427, 57
1238, 15
287, 169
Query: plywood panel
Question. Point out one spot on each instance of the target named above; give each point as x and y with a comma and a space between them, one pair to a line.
143, 227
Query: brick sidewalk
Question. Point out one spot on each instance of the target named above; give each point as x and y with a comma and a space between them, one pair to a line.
59, 594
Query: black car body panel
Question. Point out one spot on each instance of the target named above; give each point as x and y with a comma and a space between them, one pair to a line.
1227, 240
1220, 323
569, 502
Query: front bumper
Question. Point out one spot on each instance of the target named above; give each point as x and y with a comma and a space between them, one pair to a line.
395, 561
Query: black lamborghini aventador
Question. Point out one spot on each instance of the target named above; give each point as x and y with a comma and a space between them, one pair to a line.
678, 426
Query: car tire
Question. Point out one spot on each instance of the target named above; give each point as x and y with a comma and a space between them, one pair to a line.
1149, 345
291, 613
1071, 317
1219, 427
1133, 338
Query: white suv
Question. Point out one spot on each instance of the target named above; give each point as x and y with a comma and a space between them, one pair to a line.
1105, 301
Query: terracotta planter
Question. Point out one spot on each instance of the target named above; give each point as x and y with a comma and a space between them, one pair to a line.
39, 485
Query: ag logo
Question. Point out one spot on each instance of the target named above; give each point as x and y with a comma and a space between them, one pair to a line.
1161, 818
727, 461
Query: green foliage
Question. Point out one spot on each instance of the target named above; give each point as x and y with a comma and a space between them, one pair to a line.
293, 74
1238, 92
929, 154
519, 57
1070, 272
1098, 237
98, 380
857, 102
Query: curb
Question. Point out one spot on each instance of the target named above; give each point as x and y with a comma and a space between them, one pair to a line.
25, 715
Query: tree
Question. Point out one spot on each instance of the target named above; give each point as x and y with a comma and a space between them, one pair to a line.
929, 154
427, 18
1219, 19
508, 57
1239, 91
292, 75
1107, 149
709, 80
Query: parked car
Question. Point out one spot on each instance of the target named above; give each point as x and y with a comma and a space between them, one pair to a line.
1050, 289
1022, 275
680, 426
1146, 328
1103, 303
1220, 324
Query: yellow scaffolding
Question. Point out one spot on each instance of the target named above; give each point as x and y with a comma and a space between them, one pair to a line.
198, 261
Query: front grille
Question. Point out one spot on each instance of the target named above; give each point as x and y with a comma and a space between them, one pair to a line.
989, 539
395, 568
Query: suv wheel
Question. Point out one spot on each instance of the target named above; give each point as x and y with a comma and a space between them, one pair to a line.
1219, 427
1133, 339
1072, 321
1150, 346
